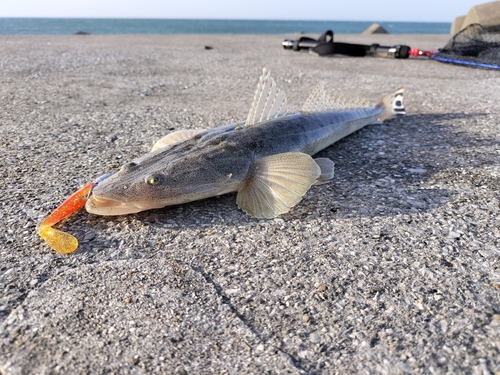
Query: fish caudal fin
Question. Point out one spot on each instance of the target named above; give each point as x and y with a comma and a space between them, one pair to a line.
393, 105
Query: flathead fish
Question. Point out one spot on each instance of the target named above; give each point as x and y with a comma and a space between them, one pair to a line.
265, 159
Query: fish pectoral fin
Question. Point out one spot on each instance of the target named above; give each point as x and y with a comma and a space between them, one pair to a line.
276, 183
174, 137
327, 170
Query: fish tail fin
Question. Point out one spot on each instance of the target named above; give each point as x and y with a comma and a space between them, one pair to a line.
393, 105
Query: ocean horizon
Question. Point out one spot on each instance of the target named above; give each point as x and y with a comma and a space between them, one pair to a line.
102, 26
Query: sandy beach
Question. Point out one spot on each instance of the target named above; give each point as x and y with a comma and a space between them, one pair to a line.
392, 268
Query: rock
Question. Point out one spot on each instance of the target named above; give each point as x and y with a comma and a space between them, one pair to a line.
375, 28
487, 14
456, 25
81, 33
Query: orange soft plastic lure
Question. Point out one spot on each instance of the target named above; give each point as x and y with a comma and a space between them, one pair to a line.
60, 241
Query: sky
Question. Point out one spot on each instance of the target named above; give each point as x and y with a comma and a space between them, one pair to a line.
328, 10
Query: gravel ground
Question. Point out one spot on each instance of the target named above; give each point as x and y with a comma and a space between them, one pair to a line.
392, 268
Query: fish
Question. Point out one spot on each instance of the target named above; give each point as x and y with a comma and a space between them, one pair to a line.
267, 159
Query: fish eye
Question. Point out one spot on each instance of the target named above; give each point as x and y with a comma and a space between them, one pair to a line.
155, 179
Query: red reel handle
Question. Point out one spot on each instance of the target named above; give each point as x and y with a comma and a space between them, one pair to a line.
415, 52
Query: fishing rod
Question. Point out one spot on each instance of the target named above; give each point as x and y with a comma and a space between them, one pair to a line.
325, 45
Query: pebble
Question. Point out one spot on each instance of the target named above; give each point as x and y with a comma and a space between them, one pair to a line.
314, 337
417, 170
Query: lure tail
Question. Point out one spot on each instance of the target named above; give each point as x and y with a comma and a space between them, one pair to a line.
393, 105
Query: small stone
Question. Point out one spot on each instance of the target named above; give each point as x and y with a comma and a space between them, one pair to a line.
322, 288
359, 335
417, 170
28, 224
89, 236
111, 138
315, 338
305, 318
404, 367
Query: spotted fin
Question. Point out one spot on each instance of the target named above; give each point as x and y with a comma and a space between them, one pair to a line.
320, 101
174, 137
276, 183
269, 101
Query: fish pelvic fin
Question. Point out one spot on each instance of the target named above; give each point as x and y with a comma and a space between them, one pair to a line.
175, 137
320, 101
269, 101
327, 167
276, 183
393, 105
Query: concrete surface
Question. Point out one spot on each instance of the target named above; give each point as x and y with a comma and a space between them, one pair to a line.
393, 268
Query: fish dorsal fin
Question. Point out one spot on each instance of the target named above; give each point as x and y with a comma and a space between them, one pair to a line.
174, 137
276, 183
320, 101
269, 101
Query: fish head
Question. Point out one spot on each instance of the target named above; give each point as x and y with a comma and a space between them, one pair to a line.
162, 179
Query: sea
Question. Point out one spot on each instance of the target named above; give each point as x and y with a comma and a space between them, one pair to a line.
65, 26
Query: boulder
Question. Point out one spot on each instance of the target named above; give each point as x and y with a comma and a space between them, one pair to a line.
375, 28
456, 26
487, 14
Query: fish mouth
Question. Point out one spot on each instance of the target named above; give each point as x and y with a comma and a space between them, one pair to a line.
110, 207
